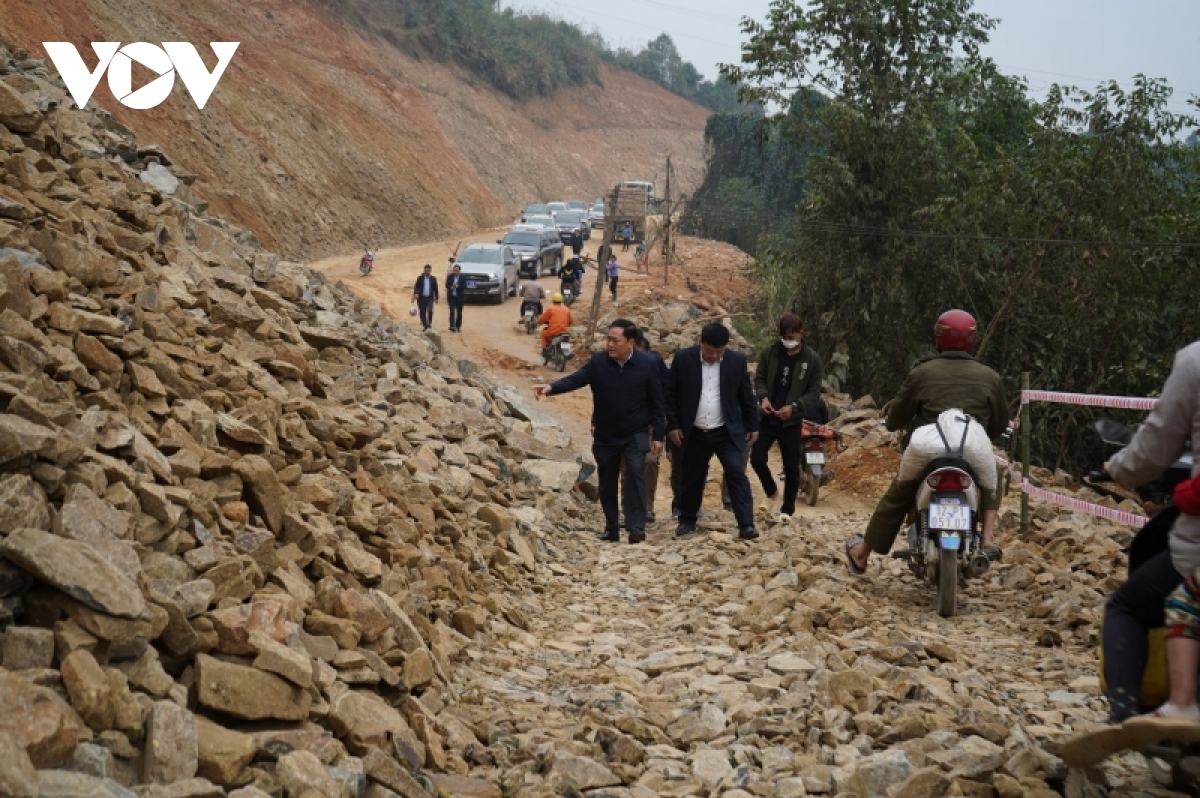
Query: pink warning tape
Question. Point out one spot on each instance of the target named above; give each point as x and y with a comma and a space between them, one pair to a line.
1099, 510
1089, 400
1119, 516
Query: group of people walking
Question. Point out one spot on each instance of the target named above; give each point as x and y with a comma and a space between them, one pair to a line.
703, 405
425, 296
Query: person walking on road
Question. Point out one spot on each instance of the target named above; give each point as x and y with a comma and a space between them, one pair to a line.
613, 274
628, 418
456, 297
425, 294
576, 242
653, 461
711, 410
626, 236
786, 382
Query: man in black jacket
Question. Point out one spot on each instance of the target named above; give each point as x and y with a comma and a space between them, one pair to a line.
628, 418
456, 297
711, 410
787, 382
425, 294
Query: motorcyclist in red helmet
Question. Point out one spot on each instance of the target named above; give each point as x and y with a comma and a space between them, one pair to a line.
952, 379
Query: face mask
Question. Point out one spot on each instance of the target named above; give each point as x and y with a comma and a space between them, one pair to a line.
789, 344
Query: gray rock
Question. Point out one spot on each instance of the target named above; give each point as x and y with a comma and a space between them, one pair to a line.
65, 784
878, 772
160, 178
28, 648
76, 569
171, 752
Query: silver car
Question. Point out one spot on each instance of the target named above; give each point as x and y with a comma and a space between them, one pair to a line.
490, 270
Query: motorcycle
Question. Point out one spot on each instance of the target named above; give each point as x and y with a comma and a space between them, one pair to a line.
1174, 765
531, 309
813, 438
558, 351
366, 263
944, 539
570, 291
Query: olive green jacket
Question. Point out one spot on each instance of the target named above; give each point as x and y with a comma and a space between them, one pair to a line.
806, 385
950, 380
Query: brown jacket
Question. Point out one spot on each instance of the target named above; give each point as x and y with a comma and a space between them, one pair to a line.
952, 379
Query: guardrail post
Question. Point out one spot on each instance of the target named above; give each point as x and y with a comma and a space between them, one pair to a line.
1025, 435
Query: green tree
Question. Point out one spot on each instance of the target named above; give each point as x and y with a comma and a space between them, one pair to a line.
930, 180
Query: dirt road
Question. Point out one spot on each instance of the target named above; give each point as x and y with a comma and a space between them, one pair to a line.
492, 337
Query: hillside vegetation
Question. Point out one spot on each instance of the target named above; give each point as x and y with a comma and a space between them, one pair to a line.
908, 175
526, 54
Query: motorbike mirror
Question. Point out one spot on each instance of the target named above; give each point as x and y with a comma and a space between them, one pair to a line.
452, 259
1113, 432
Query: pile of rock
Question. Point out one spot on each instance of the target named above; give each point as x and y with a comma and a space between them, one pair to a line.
248, 522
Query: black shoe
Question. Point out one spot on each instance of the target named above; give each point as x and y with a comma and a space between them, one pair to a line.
785, 510
747, 532
685, 529
674, 511
727, 505
636, 536
650, 519
611, 535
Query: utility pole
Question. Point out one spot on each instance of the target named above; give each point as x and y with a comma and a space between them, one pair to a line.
667, 226
610, 233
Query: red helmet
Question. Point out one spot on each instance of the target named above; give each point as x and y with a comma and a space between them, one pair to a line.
955, 331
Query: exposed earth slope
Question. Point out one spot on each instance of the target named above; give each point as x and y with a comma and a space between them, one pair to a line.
317, 140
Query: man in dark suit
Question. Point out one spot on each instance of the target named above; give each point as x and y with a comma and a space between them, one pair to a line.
456, 297
425, 294
711, 410
627, 419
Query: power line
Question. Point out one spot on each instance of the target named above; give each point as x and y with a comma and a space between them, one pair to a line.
848, 229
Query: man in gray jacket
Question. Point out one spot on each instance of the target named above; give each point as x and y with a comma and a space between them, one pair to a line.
1159, 443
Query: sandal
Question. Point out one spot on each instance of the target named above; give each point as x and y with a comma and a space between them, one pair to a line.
993, 553
855, 568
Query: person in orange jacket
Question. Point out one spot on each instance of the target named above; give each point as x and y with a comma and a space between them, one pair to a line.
558, 319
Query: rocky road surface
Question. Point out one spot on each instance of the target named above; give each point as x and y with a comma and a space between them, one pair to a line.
717, 667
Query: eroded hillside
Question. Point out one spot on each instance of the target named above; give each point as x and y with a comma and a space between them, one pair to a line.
316, 139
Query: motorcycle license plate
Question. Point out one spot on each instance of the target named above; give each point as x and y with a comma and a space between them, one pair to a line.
815, 458
528, 313
471, 284
566, 348
952, 541
950, 517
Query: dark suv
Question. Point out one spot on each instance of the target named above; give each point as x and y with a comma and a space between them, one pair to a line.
540, 250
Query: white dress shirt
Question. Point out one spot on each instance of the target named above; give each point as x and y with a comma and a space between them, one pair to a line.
708, 414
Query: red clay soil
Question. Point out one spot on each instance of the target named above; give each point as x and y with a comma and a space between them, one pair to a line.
318, 140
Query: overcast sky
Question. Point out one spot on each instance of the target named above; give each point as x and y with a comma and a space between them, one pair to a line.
1079, 42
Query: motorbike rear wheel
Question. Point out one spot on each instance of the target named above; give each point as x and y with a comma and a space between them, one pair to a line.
530, 325
560, 359
947, 587
813, 487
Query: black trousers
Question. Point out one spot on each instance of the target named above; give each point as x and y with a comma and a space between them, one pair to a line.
456, 307
426, 306
1129, 614
789, 450
676, 458
698, 450
608, 472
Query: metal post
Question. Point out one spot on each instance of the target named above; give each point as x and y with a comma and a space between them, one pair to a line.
1025, 435
610, 230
